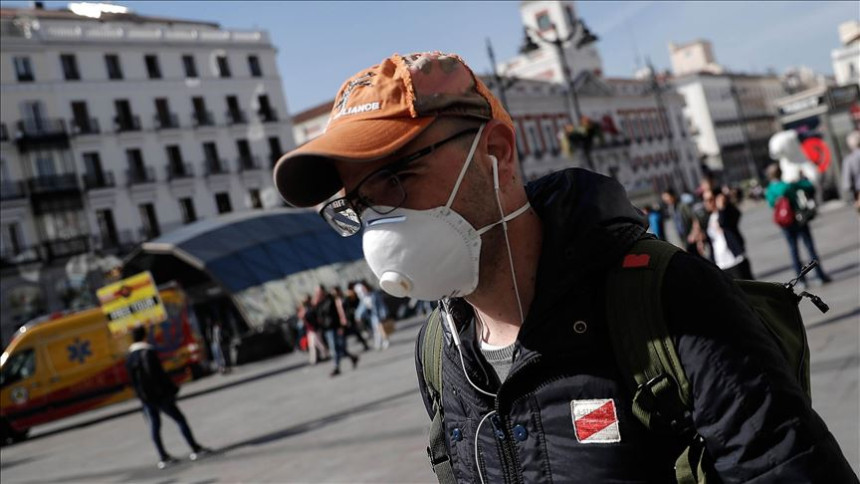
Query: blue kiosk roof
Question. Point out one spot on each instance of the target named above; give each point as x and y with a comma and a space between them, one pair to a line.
246, 249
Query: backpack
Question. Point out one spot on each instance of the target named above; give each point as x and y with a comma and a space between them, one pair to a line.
783, 214
326, 313
645, 353
147, 389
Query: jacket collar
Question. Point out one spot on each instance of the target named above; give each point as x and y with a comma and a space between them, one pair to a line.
588, 224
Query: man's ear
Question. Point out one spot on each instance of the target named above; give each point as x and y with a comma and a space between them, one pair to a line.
501, 143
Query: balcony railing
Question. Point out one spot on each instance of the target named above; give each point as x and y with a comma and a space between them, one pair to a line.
140, 176
216, 167
66, 247
273, 158
95, 181
85, 126
166, 121
268, 115
248, 163
38, 128
203, 118
53, 183
236, 116
176, 171
11, 190
125, 124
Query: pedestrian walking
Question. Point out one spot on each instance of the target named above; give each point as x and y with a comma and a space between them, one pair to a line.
529, 385
685, 221
372, 307
656, 223
851, 169
333, 324
788, 193
317, 351
728, 248
349, 303
215, 337
157, 394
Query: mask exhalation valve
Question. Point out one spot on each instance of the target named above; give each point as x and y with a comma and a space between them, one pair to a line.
396, 284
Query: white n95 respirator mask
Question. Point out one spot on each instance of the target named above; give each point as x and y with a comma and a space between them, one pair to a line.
428, 254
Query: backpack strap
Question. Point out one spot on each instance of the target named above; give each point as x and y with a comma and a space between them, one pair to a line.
431, 362
646, 353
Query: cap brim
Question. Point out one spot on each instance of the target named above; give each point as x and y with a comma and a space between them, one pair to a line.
306, 176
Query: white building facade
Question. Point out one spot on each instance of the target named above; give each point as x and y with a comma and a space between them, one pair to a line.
120, 128
720, 108
846, 59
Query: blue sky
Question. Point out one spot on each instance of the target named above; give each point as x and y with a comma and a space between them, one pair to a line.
320, 44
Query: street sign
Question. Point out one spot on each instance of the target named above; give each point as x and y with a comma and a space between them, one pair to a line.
131, 301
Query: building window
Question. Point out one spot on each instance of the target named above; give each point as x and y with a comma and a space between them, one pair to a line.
153, 70
266, 112
94, 176
202, 117
163, 117
543, 21
275, 150
81, 121
13, 233
222, 201
70, 67
137, 170
234, 112
223, 66
256, 201
254, 66
107, 228
125, 120
114, 70
23, 69
212, 160
186, 206
190, 66
175, 165
149, 221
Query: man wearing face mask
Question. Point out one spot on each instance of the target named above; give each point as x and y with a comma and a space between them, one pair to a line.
420, 159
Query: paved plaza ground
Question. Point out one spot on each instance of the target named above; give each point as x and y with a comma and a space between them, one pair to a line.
283, 421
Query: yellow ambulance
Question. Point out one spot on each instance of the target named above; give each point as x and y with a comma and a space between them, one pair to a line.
71, 362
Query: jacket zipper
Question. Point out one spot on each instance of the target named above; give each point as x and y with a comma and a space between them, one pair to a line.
508, 466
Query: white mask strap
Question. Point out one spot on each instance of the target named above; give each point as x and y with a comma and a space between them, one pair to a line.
465, 167
516, 213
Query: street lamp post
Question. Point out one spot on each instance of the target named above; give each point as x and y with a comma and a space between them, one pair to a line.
503, 84
558, 42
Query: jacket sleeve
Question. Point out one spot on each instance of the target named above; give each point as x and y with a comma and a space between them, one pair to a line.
757, 423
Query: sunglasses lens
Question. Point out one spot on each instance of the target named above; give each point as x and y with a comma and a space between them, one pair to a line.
341, 217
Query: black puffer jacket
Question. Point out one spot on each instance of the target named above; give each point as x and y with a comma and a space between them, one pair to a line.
748, 407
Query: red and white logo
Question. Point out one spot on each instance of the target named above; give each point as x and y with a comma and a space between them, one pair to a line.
595, 421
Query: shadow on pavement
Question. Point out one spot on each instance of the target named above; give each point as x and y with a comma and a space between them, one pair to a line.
834, 364
789, 266
316, 423
835, 318
190, 395
139, 473
12, 463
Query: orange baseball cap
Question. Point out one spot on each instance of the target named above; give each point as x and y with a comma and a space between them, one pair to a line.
377, 112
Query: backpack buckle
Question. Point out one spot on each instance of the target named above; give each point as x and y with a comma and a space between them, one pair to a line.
658, 400
433, 462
